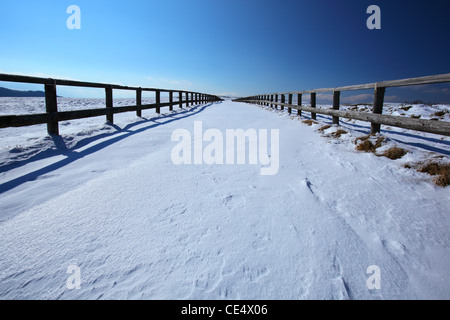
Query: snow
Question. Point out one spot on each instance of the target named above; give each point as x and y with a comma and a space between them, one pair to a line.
108, 199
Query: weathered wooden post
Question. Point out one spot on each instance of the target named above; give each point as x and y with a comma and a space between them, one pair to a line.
51, 107
377, 108
180, 99
271, 100
283, 100
313, 105
109, 104
187, 99
158, 101
171, 100
192, 98
290, 102
139, 102
276, 100
299, 103
336, 103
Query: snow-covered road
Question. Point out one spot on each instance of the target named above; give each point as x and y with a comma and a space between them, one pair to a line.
140, 227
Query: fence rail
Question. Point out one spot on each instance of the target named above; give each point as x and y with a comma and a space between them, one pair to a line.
52, 116
376, 117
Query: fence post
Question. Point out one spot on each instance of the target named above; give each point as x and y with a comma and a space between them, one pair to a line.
187, 99
51, 107
171, 100
377, 108
299, 102
192, 98
283, 100
180, 99
336, 103
158, 101
276, 100
109, 104
271, 100
290, 102
313, 105
139, 102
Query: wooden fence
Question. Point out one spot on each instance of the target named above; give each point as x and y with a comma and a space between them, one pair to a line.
376, 117
53, 116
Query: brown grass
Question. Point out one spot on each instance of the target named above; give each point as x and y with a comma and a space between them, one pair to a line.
362, 138
379, 142
440, 113
339, 133
442, 180
415, 117
367, 145
442, 171
309, 122
325, 127
394, 153
432, 168
439, 170
406, 108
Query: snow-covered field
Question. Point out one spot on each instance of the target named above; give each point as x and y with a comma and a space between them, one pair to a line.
109, 200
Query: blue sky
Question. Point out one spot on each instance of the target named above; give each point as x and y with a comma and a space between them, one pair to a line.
236, 47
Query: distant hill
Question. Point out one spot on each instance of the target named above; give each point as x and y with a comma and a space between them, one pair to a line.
4, 92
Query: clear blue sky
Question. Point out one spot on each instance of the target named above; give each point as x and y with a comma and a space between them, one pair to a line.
227, 46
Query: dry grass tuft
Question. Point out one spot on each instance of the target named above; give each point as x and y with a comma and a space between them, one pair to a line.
439, 170
432, 168
309, 122
367, 145
379, 142
443, 180
440, 113
362, 138
406, 108
415, 117
339, 133
394, 153
325, 127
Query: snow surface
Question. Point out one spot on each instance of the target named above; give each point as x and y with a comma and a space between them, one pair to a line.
108, 199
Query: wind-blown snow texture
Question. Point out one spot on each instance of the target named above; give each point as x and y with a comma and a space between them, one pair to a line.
109, 200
